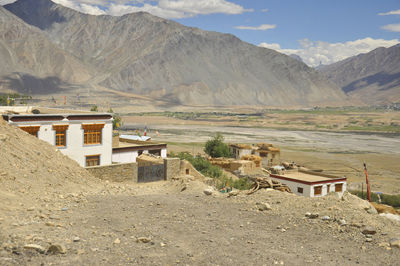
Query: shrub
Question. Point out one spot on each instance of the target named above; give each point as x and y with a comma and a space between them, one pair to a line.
117, 123
216, 147
391, 200
94, 108
209, 170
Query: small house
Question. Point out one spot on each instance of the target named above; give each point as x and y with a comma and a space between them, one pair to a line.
311, 184
269, 154
240, 150
127, 150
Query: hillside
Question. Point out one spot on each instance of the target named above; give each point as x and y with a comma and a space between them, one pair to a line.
33, 64
373, 77
32, 170
143, 54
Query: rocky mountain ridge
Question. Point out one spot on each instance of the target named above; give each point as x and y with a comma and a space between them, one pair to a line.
373, 77
150, 56
30, 60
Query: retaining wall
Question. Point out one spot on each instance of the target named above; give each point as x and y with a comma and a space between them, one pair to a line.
116, 172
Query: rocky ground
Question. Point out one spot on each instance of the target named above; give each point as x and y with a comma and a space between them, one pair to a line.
60, 215
157, 224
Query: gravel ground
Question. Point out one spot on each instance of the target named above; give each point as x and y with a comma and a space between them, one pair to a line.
190, 228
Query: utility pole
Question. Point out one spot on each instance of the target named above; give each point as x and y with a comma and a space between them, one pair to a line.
368, 186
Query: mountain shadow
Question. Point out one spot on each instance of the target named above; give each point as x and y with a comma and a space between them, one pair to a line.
384, 80
28, 84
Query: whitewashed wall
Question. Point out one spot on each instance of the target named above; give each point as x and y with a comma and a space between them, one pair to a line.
75, 149
164, 153
125, 157
308, 190
130, 156
294, 185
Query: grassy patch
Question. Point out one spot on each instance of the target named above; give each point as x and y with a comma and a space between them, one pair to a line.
391, 200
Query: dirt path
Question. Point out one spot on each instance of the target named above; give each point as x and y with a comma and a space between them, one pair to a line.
190, 228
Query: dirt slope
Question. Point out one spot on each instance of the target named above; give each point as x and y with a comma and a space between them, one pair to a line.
31, 169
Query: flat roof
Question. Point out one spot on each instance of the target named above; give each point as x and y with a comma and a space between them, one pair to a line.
126, 146
308, 177
27, 110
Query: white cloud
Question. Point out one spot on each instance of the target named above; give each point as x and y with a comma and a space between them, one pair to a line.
5, 2
261, 27
82, 7
392, 27
393, 12
161, 8
178, 8
264, 10
119, 10
314, 53
202, 6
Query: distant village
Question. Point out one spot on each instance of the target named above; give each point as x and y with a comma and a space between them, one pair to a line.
89, 139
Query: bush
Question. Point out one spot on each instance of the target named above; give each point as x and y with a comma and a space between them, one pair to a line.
391, 200
209, 170
216, 147
242, 184
117, 123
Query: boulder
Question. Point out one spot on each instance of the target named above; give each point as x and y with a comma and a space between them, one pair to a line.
208, 191
263, 206
56, 249
35, 247
368, 230
395, 242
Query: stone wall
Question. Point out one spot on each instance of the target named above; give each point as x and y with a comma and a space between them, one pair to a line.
172, 167
188, 169
129, 171
116, 172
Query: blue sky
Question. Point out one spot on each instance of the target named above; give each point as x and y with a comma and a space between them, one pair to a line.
319, 31
319, 20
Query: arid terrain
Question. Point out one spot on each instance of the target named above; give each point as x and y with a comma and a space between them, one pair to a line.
339, 152
52, 212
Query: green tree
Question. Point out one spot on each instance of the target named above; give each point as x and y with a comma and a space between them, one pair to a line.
117, 123
216, 147
94, 108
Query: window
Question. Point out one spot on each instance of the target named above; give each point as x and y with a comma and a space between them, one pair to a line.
300, 190
92, 133
92, 160
317, 190
33, 130
61, 135
338, 187
155, 152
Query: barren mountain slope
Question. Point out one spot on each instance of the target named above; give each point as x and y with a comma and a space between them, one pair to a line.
148, 55
373, 77
29, 61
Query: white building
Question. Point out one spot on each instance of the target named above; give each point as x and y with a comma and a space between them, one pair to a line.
311, 184
85, 137
126, 149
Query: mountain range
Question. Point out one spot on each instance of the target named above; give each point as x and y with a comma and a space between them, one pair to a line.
373, 78
50, 49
